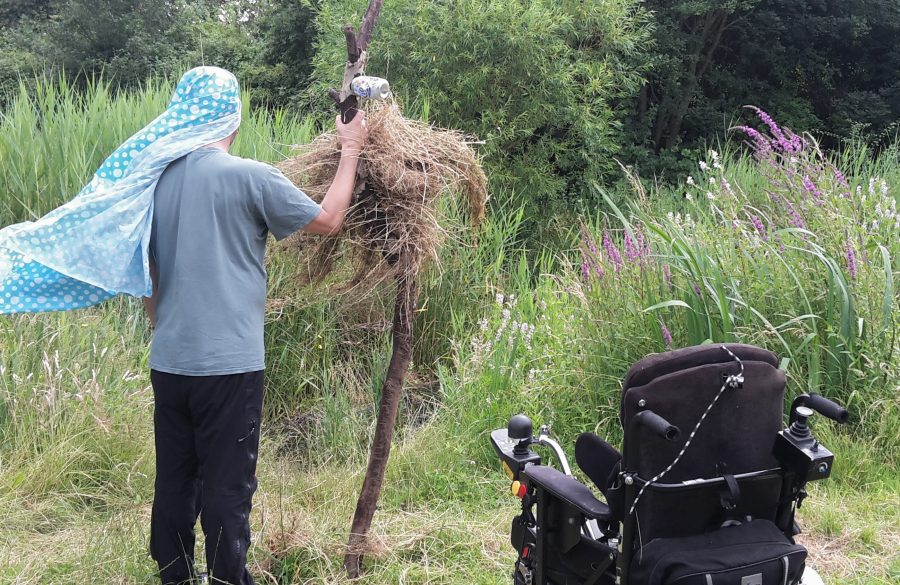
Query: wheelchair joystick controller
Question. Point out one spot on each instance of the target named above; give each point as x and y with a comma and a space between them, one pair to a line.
512, 445
520, 429
800, 452
799, 428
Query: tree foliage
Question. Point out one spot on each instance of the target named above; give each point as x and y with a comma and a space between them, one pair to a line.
538, 81
267, 43
831, 66
555, 88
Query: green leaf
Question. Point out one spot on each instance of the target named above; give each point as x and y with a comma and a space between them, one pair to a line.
665, 304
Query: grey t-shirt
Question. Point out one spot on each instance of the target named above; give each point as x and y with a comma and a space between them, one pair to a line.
212, 215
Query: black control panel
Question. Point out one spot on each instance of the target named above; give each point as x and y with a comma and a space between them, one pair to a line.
798, 451
513, 452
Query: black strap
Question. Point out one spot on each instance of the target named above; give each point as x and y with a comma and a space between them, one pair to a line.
730, 498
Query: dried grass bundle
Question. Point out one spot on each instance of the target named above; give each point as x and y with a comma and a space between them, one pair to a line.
393, 227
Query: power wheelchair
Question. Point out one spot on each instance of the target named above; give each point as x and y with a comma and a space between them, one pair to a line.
704, 491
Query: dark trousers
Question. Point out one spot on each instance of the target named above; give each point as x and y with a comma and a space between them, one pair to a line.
207, 439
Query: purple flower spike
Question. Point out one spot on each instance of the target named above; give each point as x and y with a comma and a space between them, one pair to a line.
760, 227
762, 148
851, 260
796, 218
585, 272
811, 188
666, 334
612, 252
667, 275
839, 176
796, 142
780, 140
632, 253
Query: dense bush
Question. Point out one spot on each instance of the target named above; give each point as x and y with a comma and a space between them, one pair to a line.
536, 80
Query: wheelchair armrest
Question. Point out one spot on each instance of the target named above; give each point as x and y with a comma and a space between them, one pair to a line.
568, 489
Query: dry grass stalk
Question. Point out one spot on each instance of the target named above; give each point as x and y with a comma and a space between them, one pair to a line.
409, 165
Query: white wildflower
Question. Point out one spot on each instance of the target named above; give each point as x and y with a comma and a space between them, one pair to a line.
499, 298
690, 180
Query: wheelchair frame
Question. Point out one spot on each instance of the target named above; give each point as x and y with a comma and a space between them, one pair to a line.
574, 540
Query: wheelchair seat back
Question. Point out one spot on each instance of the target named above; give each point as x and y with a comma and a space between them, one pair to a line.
728, 470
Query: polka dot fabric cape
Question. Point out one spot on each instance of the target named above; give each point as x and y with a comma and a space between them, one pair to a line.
96, 246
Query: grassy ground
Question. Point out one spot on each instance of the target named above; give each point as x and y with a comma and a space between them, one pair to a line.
501, 329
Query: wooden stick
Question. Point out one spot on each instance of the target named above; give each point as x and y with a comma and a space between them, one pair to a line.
391, 391
402, 330
368, 23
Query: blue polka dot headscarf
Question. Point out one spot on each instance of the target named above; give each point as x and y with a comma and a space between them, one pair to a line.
96, 245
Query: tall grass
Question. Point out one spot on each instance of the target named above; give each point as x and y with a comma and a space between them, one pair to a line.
500, 329
53, 136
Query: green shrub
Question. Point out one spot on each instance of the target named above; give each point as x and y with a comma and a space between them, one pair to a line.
538, 81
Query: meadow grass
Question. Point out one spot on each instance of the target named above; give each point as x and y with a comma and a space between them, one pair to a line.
502, 327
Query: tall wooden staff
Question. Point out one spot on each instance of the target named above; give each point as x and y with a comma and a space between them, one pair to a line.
402, 334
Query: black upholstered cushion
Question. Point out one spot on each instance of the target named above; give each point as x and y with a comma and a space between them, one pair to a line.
597, 459
739, 431
660, 364
567, 488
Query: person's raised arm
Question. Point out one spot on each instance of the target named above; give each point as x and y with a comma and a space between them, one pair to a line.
337, 200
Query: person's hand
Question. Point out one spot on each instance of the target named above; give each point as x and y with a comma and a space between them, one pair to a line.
352, 135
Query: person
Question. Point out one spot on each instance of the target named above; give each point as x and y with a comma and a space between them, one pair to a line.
212, 214
172, 217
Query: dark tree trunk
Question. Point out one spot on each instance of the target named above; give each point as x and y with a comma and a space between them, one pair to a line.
675, 104
712, 35
662, 118
391, 390
643, 98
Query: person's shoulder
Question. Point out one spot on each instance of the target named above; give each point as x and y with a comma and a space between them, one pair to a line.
236, 168
247, 168
248, 164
